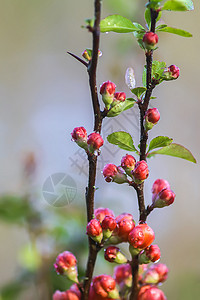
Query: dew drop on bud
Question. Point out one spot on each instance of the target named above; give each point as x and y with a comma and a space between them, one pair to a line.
130, 78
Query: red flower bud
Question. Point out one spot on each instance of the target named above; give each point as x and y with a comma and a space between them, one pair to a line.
153, 253
128, 163
123, 274
114, 173
94, 230
159, 185
107, 91
125, 224
120, 96
148, 292
141, 172
152, 116
79, 135
150, 39
94, 141
164, 198
59, 295
109, 223
141, 236
174, 71
104, 286
66, 265
157, 273
101, 212
113, 254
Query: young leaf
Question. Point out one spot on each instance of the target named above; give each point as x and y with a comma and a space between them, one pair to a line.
138, 91
174, 31
175, 150
118, 24
159, 141
120, 107
178, 5
123, 140
147, 16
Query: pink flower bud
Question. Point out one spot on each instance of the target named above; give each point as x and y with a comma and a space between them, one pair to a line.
107, 91
150, 254
123, 275
120, 96
113, 254
164, 198
157, 273
94, 230
101, 212
108, 225
148, 292
66, 265
150, 39
159, 185
141, 236
104, 286
79, 135
174, 71
114, 173
141, 172
59, 295
125, 224
151, 117
94, 141
128, 163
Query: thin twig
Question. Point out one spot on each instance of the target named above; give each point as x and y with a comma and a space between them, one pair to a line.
78, 58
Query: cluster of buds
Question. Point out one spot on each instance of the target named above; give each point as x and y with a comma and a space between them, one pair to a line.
171, 73
72, 294
152, 116
162, 195
150, 39
91, 143
138, 171
109, 96
103, 287
66, 264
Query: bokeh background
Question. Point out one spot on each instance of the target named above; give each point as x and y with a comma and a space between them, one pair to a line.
44, 95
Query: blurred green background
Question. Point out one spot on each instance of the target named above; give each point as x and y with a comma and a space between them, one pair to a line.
44, 95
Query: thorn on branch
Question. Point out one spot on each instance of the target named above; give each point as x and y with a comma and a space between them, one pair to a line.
78, 58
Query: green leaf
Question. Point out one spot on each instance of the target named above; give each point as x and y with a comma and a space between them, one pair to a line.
157, 71
120, 107
159, 141
160, 27
147, 16
138, 91
178, 5
175, 150
174, 31
123, 140
154, 4
118, 24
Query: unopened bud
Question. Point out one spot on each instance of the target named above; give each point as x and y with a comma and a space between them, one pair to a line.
158, 186
104, 286
114, 173
107, 91
94, 142
141, 236
148, 292
94, 230
152, 116
66, 265
87, 54
118, 97
164, 198
150, 39
113, 254
123, 275
101, 212
150, 254
156, 274
140, 172
108, 225
128, 163
79, 135
125, 225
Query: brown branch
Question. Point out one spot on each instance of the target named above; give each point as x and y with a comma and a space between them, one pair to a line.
98, 117
78, 58
134, 268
